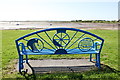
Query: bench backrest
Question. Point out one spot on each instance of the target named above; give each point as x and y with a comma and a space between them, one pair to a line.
59, 40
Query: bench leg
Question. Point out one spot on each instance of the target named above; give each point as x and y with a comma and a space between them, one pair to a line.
90, 57
20, 63
26, 58
98, 60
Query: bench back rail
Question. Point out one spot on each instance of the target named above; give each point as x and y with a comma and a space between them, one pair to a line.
59, 41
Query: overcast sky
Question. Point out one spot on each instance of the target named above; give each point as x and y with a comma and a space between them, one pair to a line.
22, 10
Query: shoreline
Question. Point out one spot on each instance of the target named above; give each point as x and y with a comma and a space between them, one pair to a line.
42, 25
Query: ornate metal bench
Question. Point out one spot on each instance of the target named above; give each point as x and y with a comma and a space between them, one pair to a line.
55, 41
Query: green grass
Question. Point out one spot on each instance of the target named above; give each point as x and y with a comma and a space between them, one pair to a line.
109, 54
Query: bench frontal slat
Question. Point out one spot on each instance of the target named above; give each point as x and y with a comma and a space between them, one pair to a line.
48, 52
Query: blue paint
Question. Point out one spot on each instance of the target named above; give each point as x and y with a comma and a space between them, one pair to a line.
61, 39
31, 45
61, 30
56, 43
86, 44
61, 51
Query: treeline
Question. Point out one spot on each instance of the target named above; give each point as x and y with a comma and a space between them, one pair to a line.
96, 21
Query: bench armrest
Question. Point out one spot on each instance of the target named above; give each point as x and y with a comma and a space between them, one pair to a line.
97, 45
22, 47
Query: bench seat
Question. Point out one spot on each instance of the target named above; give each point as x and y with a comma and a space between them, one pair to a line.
51, 52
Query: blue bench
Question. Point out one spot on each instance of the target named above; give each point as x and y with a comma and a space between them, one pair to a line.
55, 41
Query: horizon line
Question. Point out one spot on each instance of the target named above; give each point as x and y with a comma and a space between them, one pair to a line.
56, 20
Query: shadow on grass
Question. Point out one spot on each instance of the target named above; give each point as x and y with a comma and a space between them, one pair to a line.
105, 73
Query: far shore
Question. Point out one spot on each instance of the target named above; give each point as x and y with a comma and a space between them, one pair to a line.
10, 25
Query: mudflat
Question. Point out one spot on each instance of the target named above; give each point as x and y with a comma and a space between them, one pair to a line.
4, 25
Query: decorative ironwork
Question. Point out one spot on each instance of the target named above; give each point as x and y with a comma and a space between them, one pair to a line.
61, 39
35, 45
85, 44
